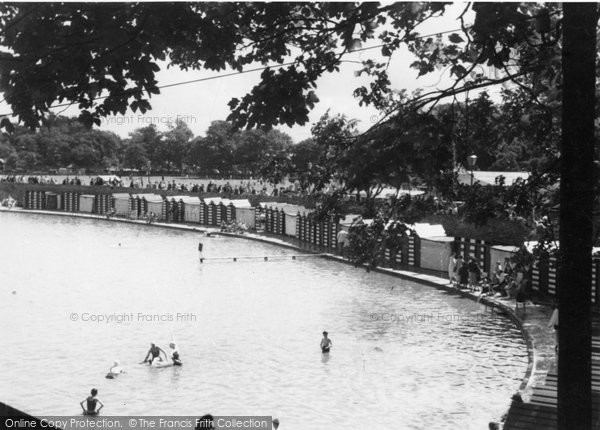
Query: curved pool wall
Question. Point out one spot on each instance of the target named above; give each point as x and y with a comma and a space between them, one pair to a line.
414, 276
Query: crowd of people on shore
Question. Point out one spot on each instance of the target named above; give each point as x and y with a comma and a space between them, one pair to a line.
233, 187
22, 179
506, 279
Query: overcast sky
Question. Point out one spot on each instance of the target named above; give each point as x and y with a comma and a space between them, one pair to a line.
200, 103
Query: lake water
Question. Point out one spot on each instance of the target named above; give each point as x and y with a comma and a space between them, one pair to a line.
405, 356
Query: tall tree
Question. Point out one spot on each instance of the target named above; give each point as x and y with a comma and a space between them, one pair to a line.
576, 214
151, 139
177, 143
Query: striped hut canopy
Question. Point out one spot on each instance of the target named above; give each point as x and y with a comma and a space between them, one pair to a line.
274, 205
216, 200
176, 198
148, 197
139, 196
190, 200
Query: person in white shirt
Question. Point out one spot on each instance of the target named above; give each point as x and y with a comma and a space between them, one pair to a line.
342, 239
175, 354
452, 269
326, 343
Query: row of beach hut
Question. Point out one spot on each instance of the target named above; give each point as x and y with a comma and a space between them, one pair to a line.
210, 211
427, 248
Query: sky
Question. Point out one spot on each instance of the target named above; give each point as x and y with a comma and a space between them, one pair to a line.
200, 103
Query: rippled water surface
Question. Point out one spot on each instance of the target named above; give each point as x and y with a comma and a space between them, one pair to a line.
405, 356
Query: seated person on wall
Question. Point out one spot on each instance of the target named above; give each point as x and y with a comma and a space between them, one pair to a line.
498, 278
513, 286
508, 267
487, 284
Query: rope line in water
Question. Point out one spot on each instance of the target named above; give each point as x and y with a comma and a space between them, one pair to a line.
264, 258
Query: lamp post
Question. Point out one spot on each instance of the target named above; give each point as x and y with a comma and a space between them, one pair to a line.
472, 160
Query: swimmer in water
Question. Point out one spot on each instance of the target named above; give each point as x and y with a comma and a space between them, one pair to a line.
154, 352
326, 343
175, 354
115, 370
91, 403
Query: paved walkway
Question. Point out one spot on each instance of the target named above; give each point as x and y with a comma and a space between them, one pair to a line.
532, 320
540, 412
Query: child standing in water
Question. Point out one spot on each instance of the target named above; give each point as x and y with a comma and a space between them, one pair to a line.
175, 354
91, 403
326, 343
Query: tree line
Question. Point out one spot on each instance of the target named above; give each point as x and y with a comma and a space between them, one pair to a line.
65, 142
417, 148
